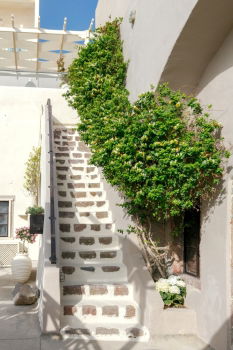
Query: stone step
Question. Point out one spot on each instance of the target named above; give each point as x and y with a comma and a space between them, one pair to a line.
64, 194
92, 257
63, 167
90, 311
70, 152
90, 242
77, 178
88, 292
112, 332
63, 146
86, 203
109, 273
82, 186
71, 141
79, 187
64, 158
83, 206
64, 133
72, 217
86, 229
97, 217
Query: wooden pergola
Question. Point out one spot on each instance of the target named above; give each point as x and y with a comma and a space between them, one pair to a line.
37, 50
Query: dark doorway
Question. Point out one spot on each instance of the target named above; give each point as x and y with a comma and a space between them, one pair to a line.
192, 224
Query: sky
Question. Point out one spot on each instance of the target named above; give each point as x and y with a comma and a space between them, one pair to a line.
78, 12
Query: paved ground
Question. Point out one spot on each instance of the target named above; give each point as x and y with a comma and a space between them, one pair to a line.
19, 330
159, 343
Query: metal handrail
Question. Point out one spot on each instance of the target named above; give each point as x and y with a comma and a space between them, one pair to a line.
52, 216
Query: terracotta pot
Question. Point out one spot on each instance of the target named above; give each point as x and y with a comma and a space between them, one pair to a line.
21, 267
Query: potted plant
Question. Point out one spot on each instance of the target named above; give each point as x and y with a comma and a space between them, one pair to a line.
172, 291
21, 264
36, 219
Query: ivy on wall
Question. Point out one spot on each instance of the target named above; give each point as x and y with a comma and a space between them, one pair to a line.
32, 174
163, 152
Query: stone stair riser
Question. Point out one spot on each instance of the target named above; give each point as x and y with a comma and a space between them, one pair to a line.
83, 243
81, 195
91, 257
105, 313
114, 332
93, 274
110, 291
86, 229
83, 206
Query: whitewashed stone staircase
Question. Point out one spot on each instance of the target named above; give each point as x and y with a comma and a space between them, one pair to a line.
96, 298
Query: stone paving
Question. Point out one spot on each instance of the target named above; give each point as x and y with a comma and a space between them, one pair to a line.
19, 326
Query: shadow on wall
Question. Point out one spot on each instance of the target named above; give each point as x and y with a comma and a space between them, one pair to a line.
221, 62
217, 198
217, 339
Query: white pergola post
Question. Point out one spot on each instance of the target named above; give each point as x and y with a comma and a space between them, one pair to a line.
37, 11
14, 41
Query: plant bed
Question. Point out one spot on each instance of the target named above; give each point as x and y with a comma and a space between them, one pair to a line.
178, 321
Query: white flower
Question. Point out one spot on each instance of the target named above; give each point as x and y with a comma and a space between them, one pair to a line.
162, 285
174, 290
180, 283
172, 280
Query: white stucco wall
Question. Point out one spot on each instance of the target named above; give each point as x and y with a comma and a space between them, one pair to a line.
149, 42
147, 46
213, 302
23, 12
20, 120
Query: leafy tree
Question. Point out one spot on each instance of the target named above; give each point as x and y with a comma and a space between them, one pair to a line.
163, 152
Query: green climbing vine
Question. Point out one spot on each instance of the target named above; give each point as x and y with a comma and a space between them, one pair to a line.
163, 152
32, 174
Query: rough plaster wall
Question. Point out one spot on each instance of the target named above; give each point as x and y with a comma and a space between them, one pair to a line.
20, 118
213, 301
148, 44
24, 16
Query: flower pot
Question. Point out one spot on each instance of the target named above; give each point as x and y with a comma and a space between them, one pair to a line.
21, 267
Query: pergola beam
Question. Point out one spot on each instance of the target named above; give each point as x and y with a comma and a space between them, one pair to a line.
37, 46
82, 34
24, 49
89, 31
62, 38
14, 41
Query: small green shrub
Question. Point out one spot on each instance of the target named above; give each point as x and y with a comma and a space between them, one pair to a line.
34, 210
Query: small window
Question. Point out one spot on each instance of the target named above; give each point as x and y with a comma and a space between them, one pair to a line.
192, 242
6, 214
4, 218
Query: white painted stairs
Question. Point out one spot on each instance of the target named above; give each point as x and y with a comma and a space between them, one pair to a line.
96, 299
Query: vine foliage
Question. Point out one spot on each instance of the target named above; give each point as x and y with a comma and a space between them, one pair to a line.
32, 174
163, 152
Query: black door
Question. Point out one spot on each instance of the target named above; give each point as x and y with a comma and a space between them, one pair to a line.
192, 242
